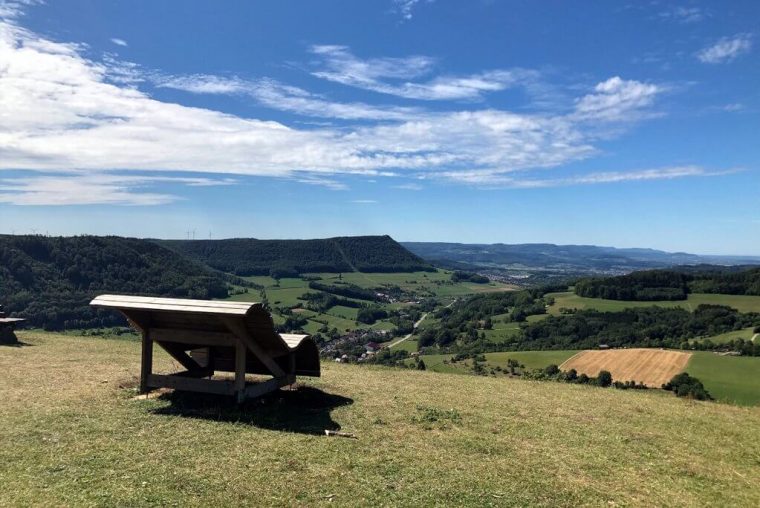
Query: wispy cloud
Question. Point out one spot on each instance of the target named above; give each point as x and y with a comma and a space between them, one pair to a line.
364, 201
726, 49
274, 94
683, 14
93, 189
63, 111
405, 7
496, 180
119, 42
409, 186
321, 181
617, 99
381, 75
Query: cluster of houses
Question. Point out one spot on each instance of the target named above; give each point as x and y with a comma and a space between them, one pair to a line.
356, 345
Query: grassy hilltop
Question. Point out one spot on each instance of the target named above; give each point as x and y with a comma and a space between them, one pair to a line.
73, 435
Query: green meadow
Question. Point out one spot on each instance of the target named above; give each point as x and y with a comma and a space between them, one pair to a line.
733, 379
570, 300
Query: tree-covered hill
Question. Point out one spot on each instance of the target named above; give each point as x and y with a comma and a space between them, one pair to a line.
672, 284
50, 280
250, 256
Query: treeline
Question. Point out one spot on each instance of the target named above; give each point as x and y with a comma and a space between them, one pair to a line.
654, 285
51, 280
289, 258
347, 290
462, 276
635, 327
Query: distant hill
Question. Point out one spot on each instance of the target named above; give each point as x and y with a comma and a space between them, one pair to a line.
250, 256
50, 280
561, 257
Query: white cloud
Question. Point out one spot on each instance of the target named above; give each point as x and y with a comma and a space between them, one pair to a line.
119, 42
62, 112
276, 95
364, 201
405, 7
409, 186
617, 100
93, 189
726, 49
497, 180
684, 14
374, 74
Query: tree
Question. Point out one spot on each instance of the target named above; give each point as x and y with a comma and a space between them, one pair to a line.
604, 379
421, 364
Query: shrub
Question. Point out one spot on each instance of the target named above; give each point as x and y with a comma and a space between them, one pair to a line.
604, 379
684, 385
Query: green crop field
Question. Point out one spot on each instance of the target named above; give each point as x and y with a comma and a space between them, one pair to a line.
74, 436
531, 359
728, 378
744, 333
570, 300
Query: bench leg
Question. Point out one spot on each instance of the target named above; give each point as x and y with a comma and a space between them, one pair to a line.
146, 365
240, 355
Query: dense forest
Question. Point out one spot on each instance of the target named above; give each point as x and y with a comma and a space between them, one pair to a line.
283, 258
51, 280
672, 284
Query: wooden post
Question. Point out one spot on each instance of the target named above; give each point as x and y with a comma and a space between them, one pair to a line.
146, 365
240, 354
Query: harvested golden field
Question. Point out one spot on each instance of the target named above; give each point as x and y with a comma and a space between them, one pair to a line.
73, 435
653, 367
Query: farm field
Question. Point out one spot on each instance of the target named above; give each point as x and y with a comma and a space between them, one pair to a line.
728, 378
73, 435
570, 300
287, 291
531, 360
653, 367
744, 333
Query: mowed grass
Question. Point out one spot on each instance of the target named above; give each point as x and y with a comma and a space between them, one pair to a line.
530, 359
570, 300
733, 379
72, 435
744, 333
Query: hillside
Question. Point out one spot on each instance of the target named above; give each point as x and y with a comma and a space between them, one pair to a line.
250, 256
51, 280
74, 436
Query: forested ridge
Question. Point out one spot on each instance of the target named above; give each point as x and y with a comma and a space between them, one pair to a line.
654, 285
51, 280
464, 327
280, 258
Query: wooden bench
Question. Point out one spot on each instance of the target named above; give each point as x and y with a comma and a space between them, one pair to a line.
206, 336
7, 327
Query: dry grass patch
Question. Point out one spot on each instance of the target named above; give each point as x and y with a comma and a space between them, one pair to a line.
653, 367
72, 435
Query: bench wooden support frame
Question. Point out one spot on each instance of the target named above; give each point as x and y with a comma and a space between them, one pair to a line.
245, 330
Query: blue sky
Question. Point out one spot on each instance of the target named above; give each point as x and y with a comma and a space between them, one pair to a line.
609, 123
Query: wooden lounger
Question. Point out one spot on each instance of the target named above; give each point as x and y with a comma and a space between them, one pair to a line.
205, 336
